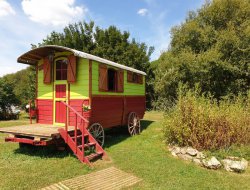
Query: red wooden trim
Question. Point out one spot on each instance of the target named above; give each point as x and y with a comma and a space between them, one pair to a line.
115, 96
36, 80
68, 92
71, 69
28, 141
36, 89
67, 110
90, 82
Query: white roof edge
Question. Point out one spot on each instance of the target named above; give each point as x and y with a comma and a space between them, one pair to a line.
99, 59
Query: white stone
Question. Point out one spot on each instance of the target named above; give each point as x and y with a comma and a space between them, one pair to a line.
176, 150
191, 151
197, 161
184, 150
185, 157
200, 155
235, 166
211, 163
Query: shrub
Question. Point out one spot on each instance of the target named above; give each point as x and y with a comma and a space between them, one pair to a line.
204, 123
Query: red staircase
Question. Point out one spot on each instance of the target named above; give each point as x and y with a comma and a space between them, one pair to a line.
80, 141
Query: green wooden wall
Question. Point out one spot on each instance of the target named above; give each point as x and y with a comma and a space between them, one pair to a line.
80, 89
44, 91
129, 88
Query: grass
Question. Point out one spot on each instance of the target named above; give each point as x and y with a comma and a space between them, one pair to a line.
145, 156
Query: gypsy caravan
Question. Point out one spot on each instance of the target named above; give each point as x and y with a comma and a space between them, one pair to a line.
78, 95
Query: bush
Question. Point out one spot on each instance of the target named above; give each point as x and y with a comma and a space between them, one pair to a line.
204, 123
7, 99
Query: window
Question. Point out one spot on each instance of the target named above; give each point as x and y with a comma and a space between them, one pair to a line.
112, 74
110, 79
61, 69
134, 78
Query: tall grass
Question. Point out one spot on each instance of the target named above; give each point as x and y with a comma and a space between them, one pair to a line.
204, 123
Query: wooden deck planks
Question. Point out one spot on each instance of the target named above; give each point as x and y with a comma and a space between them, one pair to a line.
40, 130
110, 178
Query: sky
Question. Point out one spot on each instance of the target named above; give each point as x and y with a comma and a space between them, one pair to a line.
26, 22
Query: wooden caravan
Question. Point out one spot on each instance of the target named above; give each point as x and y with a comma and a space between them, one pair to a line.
81, 95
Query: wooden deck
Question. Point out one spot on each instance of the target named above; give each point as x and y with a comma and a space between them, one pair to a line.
34, 130
106, 179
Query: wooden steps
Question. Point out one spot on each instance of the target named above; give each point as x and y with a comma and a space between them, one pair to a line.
79, 140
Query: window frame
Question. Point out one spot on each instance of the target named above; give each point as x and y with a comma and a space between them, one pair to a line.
118, 81
115, 81
134, 78
61, 59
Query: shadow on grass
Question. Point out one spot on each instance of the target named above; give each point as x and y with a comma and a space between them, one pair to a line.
112, 136
43, 152
118, 134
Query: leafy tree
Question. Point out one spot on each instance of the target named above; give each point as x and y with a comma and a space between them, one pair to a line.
7, 97
108, 43
210, 48
23, 84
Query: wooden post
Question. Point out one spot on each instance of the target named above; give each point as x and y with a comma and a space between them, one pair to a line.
66, 123
76, 133
30, 112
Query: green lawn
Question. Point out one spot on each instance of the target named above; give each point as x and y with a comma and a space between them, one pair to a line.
145, 155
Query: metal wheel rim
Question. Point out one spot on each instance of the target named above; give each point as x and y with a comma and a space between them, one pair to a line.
96, 130
134, 126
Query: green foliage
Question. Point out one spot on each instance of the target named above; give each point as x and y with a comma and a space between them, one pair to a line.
23, 85
110, 43
205, 123
7, 97
210, 48
241, 151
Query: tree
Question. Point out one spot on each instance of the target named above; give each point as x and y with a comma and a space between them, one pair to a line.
110, 43
23, 85
7, 97
211, 47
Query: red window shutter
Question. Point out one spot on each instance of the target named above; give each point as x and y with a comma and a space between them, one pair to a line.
120, 83
46, 71
130, 76
103, 78
71, 69
140, 79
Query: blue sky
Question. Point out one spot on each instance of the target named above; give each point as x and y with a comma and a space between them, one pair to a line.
25, 22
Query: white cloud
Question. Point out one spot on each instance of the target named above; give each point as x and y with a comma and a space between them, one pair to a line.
6, 9
55, 12
142, 12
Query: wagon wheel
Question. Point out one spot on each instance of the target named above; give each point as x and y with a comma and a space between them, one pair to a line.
96, 130
134, 126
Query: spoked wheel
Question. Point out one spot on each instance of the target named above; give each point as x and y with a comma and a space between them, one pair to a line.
134, 126
96, 130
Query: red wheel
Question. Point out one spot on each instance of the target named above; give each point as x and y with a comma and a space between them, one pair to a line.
134, 126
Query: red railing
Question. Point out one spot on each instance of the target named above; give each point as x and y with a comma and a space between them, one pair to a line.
32, 112
81, 127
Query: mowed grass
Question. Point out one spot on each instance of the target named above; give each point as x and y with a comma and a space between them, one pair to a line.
145, 156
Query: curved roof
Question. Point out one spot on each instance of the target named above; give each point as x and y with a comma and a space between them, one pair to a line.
33, 56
